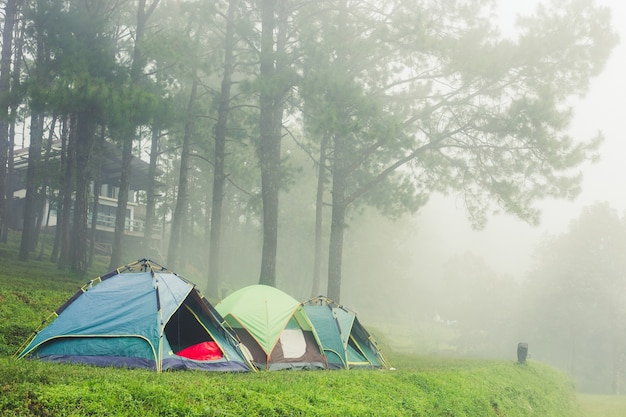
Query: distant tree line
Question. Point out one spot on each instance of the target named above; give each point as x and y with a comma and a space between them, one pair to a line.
570, 308
380, 102
576, 300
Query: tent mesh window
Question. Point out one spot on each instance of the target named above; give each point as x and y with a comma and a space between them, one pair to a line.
184, 330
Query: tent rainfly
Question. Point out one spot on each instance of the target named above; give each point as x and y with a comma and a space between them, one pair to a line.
139, 316
347, 344
274, 328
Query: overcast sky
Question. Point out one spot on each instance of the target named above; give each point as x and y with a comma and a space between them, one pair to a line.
507, 244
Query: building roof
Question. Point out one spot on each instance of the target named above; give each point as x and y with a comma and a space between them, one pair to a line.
109, 172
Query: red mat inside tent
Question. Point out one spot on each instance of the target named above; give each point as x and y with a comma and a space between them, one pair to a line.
205, 351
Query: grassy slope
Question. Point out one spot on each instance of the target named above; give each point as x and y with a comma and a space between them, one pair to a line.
602, 405
28, 294
460, 388
419, 386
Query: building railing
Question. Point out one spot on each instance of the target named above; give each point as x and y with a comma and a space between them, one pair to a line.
132, 226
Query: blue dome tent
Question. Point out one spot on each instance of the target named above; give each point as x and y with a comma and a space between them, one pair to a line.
139, 316
347, 344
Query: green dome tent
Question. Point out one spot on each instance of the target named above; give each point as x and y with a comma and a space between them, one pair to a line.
347, 344
274, 328
139, 316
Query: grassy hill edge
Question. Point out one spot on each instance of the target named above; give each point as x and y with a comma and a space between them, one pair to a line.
418, 387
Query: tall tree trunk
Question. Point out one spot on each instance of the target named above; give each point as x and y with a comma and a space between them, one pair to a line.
122, 203
27, 244
10, 12
151, 192
179, 216
58, 232
42, 195
10, 173
44, 187
68, 189
136, 71
97, 185
319, 211
338, 219
219, 175
84, 151
340, 169
270, 125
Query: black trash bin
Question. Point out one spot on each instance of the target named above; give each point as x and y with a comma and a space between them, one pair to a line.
522, 352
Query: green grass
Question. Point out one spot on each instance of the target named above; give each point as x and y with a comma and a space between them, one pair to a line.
28, 294
424, 388
602, 405
419, 386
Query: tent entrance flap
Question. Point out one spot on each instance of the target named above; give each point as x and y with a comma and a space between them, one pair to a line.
184, 330
310, 357
293, 343
259, 357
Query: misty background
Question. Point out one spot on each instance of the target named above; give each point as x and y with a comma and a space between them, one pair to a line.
508, 244
419, 280
511, 250
429, 283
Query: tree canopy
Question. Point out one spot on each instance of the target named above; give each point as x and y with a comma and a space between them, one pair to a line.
389, 101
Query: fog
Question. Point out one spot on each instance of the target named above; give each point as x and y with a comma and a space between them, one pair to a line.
407, 293
430, 284
508, 243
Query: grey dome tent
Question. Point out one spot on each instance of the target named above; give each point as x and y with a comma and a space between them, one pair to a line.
140, 316
347, 344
